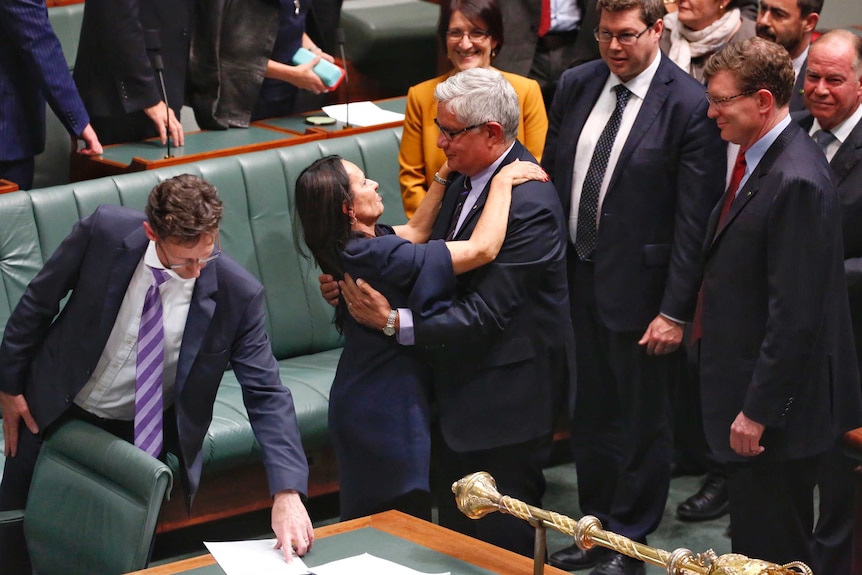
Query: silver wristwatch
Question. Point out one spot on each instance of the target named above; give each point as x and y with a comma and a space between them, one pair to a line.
389, 328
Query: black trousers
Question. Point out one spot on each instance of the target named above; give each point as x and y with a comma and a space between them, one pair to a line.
621, 433
18, 171
517, 470
772, 509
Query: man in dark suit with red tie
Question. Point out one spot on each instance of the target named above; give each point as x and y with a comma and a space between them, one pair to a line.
637, 205
778, 373
833, 94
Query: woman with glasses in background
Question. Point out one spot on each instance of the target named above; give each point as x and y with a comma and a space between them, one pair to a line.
472, 32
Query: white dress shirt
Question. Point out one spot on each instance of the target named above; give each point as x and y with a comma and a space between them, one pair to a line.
110, 391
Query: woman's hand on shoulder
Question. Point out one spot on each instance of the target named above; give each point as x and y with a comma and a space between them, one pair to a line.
519, 172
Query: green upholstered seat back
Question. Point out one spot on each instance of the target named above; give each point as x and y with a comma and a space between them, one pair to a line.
93, 503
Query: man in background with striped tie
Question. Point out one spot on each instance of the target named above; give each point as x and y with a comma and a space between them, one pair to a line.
155, 315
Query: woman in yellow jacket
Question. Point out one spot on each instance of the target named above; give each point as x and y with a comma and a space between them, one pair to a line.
472, 31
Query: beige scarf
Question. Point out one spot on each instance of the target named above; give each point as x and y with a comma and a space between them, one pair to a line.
686, 43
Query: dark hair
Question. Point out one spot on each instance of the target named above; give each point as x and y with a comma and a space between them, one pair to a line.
807, 7
757, 64
651, 10
321, 191
486, 11
184, 208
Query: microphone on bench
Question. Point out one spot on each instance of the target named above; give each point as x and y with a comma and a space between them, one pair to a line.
339, 39
153, 44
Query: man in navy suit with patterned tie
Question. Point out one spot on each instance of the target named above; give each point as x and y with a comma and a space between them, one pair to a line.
638, 167
33, 70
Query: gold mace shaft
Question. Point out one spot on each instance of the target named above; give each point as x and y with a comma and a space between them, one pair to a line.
477, 495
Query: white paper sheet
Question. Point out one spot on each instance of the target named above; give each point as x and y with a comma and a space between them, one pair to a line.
362, 114
365, 564
257, 556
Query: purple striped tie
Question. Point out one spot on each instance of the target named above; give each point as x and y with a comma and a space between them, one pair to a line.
150, 367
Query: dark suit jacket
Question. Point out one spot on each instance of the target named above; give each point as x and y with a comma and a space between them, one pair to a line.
113, 70
797, 101
669, 175
50, 360
521, 23
777, 342
503, 350
32, 68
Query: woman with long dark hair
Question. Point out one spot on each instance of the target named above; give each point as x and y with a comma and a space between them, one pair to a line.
379, 417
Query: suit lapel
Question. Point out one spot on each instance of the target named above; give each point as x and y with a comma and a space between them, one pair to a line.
752, 185
447, 209
657, 95
201, 310
125, 260
848, 155
570, 132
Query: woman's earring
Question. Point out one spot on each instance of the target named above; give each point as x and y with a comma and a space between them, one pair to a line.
352, 220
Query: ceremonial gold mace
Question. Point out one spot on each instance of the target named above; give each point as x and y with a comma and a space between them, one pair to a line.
477, 496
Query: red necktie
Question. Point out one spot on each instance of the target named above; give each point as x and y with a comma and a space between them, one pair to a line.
545, 21
733, 186
729, 196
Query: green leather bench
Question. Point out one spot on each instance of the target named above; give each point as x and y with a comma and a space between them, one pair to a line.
392, 41
257, 230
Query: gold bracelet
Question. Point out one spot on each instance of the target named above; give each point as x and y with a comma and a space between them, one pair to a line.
440, 180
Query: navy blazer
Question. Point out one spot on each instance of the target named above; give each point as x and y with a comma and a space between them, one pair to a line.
503, 350
49, 357
32, 69
777, 342
113, 68
668, 177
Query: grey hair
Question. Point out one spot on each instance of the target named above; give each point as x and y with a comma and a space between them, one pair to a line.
480, 95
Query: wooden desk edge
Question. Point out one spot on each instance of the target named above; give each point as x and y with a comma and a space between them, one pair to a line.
6, 186
406, 527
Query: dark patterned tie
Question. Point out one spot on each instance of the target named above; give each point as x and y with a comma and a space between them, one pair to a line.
459, 206
586, 232
149, 370
824, 138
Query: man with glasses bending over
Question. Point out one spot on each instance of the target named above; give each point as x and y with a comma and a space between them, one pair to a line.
638, 167
155, 316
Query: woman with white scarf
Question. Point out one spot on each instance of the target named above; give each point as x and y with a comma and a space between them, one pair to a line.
699, 28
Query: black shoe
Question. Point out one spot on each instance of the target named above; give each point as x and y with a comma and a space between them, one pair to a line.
573, 558
620, 565
709, 502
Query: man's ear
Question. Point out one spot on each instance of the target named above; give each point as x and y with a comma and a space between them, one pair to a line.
151, 235
495, 130
810, 22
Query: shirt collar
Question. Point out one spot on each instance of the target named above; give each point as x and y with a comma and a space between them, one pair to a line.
757, 150
480, 180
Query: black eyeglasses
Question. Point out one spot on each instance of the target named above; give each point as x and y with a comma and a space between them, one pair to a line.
719, 102
451, 134
475, 35
626, 38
